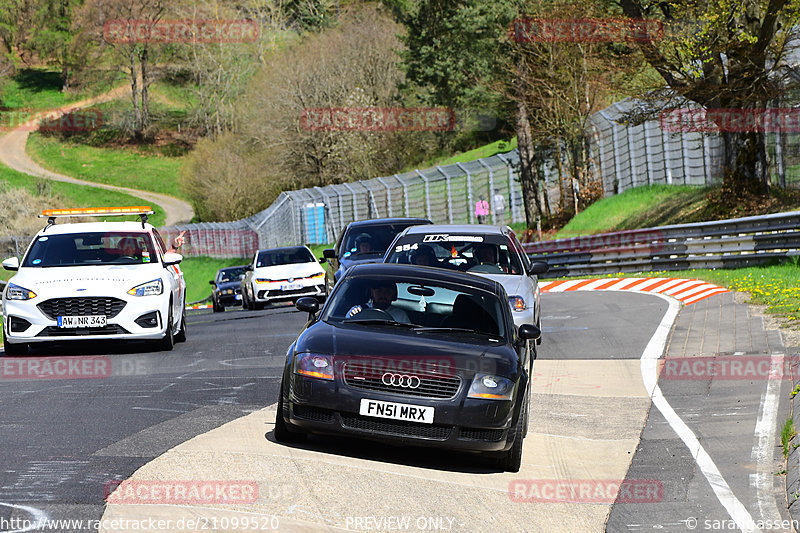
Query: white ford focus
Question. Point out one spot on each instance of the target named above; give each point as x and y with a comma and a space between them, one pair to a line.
280, 274
95, 280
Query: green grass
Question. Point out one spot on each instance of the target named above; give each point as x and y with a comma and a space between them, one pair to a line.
788, 432
113, 166
198, 271
642, 207
488, 150
36, 90
71, 195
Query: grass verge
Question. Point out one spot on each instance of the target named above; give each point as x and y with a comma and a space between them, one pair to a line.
788, 432
642, 207
113, 166
37, 89
71, 195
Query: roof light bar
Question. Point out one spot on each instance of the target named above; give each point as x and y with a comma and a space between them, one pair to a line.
97, 211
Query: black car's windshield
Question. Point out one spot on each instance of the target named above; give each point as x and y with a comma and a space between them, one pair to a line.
230, 274
98, 248
371, 240
489, 254
426, 306
284, 256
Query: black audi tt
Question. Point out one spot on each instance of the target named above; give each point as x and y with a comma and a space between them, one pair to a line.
411, 355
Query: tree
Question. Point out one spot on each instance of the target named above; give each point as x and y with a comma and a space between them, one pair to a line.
110, 25
731, 59
52, 34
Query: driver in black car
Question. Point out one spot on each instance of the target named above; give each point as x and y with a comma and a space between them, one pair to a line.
382, 294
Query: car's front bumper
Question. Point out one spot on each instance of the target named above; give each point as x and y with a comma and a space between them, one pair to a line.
273, 292
459, 423
123, 325
526, 316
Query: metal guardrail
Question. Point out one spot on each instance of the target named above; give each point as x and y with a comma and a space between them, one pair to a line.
732, 243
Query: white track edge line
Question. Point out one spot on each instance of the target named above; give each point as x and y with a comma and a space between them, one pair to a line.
649, 366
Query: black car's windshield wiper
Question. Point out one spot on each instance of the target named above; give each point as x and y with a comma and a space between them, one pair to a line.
380, 322
457, 330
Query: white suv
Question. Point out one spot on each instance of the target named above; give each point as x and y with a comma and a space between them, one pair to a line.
96, 280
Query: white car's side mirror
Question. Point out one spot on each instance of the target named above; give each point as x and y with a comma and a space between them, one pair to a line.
11, 263
172, 259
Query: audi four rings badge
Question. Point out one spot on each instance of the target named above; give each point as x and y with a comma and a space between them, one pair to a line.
401, 380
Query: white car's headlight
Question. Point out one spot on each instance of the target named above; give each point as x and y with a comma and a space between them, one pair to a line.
151, 288
489, 387
15, 292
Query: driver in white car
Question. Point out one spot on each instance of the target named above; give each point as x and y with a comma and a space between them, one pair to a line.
382, 294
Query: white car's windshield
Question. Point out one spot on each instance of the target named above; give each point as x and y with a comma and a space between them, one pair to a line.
284, 256
85, 249
489, 254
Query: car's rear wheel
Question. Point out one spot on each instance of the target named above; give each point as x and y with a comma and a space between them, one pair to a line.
181, 335
282, 432
14, 349
167, 343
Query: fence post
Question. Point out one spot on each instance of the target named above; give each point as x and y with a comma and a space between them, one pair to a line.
614, 148
647, 154
427, 193
511, 199
449, 196
355, 200
491, 187
469, 193
16, 246
665, 139
405, 193
388, 197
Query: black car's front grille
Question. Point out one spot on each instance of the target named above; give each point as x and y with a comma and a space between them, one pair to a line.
315, 414
362, 376
55, 307
491, 435
54, 331
396, 427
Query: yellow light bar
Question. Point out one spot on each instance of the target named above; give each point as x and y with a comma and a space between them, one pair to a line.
98, 211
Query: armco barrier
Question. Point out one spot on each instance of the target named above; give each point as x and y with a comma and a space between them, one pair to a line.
732, 243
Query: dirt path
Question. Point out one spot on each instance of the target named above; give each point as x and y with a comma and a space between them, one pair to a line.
13, 155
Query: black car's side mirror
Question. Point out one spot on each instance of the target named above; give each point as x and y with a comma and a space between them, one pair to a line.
329, 253
529, 332
308, 304
539, 267
249, 268
212, 282
323, 260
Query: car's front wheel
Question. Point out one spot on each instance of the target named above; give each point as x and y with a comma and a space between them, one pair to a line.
282, 432
511, 460
167, 343
14, 349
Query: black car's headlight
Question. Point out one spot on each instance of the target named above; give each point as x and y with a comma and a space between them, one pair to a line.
314, 365
489, 387
15, 292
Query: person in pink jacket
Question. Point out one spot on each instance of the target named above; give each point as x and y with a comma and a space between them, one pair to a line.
481, 210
